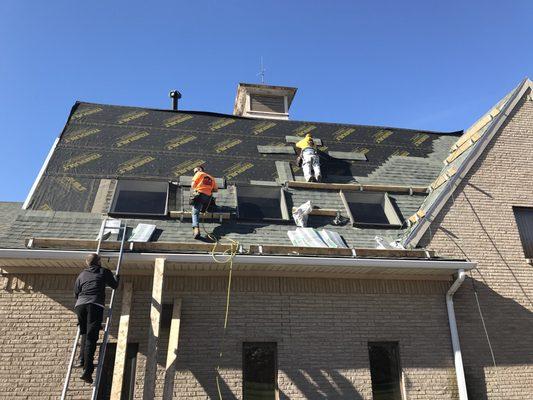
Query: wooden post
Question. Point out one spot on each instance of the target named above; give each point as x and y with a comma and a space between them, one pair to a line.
122, 341
153, 338
172, 351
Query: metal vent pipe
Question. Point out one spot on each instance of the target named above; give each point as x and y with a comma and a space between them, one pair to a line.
175, 96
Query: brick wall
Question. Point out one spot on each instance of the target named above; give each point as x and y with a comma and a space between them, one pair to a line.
480, 223
322, 327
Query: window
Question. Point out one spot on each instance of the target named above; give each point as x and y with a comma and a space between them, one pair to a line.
260, 371
365, 208
385, 370
128, 383
261, 203
524, 221
135, 197
266, 103
166, 317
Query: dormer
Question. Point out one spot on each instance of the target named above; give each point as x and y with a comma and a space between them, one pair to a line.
263, 101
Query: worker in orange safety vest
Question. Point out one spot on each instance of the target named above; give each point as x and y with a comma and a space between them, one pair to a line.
202, 187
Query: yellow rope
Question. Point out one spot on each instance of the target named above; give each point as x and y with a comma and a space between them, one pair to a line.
229, 260
229, 255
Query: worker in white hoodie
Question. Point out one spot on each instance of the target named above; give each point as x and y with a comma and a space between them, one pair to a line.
310, 159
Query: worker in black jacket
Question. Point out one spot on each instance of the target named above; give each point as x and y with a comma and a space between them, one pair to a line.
89, 290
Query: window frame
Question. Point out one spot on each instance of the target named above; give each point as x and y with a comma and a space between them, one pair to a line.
522, 228
286, 215
384, 200
276, 368
134, 183
130, 370
396, 346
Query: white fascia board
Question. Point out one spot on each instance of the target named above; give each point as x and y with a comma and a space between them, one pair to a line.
39, 176
444, 265
418, 231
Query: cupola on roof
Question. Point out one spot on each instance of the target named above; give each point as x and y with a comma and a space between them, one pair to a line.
263, 101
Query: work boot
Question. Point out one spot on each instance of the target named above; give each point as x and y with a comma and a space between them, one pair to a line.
319, 178
86, 377
196, 233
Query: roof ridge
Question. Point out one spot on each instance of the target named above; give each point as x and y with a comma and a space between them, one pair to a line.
224, 115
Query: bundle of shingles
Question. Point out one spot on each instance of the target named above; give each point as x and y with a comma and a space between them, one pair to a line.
310, 237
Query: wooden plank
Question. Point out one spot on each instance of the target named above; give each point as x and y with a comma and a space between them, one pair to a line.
442, 178
172, 352
284, 171
322, 212
325, 251
122, 342
346, 207
416, 216
393, 253
81, 244
70, 244
478, 125
206, 215
263, 183
275, 149
102, 198
348, 155
357, 186
464, 147
178, 247
296, 139
153, 335
328, 251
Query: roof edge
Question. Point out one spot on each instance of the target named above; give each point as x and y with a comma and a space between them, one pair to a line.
280, 263
415, 235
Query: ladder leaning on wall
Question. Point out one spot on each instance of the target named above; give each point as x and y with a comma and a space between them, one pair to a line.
122, 228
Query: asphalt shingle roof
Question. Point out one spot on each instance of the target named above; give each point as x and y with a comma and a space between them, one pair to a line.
112, 142
102, 141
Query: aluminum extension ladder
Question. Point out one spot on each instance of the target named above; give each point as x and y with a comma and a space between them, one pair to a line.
101, 355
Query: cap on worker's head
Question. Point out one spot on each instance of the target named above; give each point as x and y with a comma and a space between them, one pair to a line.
92, 259
198, 168
308, 135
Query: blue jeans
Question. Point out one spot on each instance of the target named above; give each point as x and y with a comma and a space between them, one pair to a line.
200, 204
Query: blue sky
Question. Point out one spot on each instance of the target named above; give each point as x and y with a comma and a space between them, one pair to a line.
434, 65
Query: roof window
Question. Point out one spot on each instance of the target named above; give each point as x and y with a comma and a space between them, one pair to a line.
374, 209
137, 197
262, 203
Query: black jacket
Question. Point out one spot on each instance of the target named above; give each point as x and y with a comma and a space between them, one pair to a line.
90, 285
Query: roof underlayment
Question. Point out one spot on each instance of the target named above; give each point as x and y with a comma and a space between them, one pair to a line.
103, 143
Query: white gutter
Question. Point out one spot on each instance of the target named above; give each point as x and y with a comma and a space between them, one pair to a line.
458, 358
420, 228
244, 259
40, 175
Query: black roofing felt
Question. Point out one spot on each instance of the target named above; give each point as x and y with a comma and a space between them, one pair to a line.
103, 141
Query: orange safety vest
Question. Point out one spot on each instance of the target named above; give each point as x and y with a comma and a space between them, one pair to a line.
204, 183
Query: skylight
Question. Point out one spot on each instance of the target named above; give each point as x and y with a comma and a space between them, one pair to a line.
261, 203
366, 208
137, 197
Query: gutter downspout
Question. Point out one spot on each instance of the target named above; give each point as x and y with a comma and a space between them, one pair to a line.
458, 358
